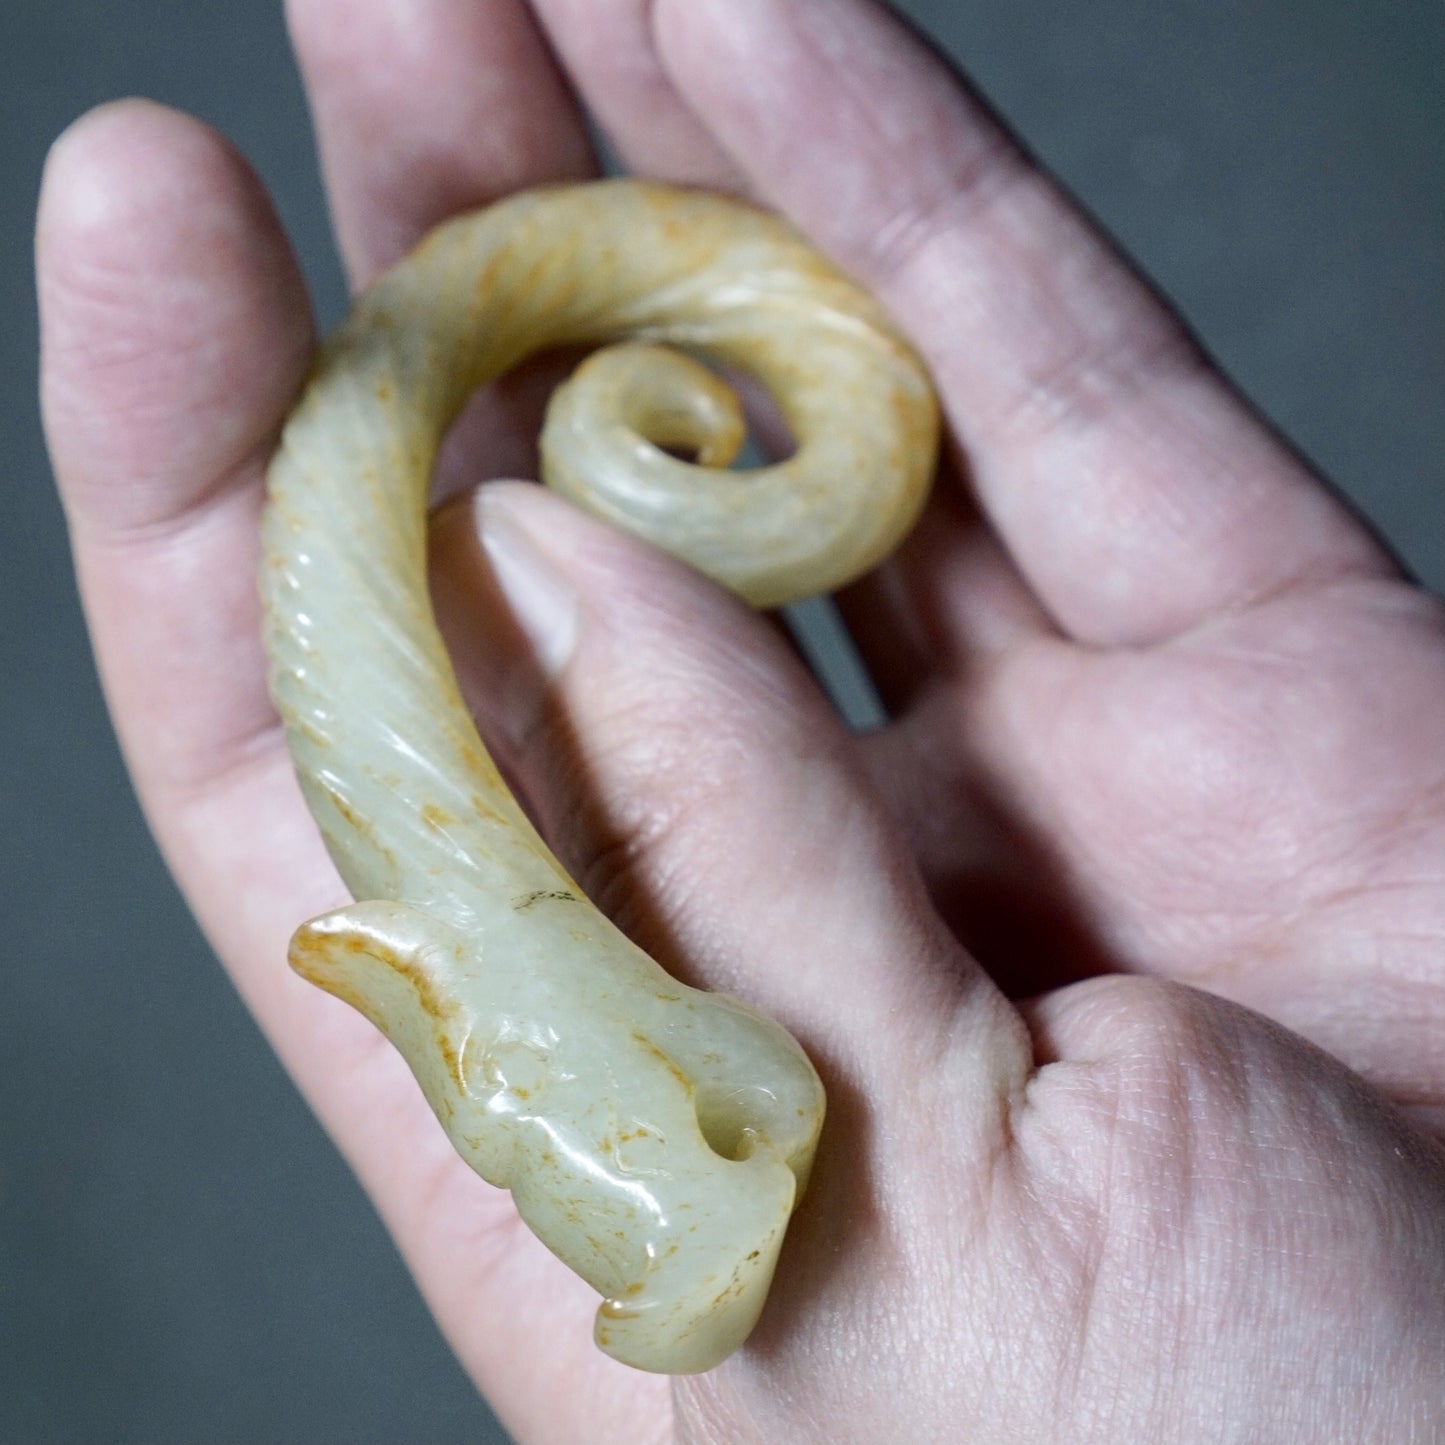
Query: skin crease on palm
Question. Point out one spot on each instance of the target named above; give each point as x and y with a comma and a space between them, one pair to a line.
1119, 949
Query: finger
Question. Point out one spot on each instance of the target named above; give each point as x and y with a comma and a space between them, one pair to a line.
1132, 489
694, 779
609, 51
175, 332
426, 109
698, 787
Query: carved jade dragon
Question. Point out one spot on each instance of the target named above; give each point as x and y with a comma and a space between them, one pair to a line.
654, 1136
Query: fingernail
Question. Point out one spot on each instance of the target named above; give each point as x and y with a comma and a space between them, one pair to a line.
542, 602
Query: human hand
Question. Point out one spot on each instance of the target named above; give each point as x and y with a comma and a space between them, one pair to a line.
1163, 714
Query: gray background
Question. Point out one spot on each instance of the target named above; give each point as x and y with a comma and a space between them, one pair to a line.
182, 1257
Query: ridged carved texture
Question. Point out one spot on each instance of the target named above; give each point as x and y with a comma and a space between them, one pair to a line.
654, 1136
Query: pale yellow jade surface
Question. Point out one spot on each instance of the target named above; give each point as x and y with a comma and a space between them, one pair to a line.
655, 1137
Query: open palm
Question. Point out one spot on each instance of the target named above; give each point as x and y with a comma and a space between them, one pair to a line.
1164, 714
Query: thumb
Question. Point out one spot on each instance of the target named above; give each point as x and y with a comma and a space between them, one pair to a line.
696, 783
